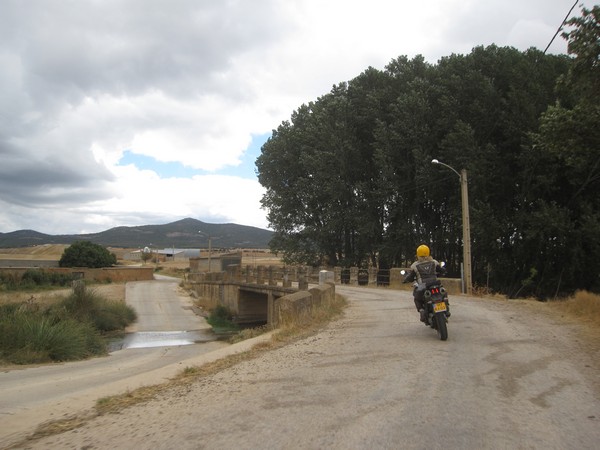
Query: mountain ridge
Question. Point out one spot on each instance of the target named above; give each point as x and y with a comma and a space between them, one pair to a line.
184, 233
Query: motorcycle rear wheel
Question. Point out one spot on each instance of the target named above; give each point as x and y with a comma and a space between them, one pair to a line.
440, 326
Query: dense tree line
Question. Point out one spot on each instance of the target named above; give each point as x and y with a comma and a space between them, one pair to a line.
349, 179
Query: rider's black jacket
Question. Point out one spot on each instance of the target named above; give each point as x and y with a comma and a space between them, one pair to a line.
424, 270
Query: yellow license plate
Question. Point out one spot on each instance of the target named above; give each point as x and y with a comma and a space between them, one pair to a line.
439, 307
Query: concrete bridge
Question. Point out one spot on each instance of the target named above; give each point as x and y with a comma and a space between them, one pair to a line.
255, 304
264, 295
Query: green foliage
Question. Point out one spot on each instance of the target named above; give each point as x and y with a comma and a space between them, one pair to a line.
9, 282
33, 279
86, 305
87, 254
349, 179
221, 319
69, 330
584, 43
27, 338
146, 256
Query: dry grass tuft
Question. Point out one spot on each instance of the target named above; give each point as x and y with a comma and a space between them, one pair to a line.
249, 333
60, 426
583, 306
115, 403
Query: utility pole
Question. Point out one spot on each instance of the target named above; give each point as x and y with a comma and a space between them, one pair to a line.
209, 251
466, 225
209, 237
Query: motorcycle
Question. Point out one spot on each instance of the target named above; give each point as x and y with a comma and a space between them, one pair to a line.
436, 307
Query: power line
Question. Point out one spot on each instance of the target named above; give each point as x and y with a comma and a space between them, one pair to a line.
560, 27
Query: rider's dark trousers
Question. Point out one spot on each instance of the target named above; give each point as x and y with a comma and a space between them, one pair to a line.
419, 297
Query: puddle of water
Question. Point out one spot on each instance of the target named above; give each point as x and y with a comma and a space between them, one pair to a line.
147, 339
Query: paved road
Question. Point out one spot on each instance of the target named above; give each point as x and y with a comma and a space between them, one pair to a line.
34, 395
507, 378
160, 307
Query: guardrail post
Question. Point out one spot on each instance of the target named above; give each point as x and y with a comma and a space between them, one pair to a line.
287, 282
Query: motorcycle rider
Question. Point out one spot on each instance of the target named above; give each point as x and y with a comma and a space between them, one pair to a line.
424, 270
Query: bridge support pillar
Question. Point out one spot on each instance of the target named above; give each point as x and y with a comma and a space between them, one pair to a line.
270, 308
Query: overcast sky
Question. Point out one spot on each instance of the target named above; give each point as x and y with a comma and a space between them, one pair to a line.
136, 112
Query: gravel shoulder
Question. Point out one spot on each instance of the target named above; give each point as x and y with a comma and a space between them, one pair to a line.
511, 375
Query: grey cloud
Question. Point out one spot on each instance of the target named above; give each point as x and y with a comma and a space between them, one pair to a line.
57, 53
78, 48
28, 180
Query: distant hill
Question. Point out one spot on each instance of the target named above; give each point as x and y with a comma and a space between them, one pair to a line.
181, 234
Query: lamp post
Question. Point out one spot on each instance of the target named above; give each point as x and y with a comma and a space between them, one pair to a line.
209, 247
464, 190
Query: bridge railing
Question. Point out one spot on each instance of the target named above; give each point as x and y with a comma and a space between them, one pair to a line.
301, 276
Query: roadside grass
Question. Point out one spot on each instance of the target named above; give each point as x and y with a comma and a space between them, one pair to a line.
583, 307
63, 329
249, 333
30, 338
88, 306
34, 280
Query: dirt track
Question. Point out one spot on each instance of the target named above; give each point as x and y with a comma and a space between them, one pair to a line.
377, 378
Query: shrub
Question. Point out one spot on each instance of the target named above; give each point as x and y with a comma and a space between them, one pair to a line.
87, 305
9, 282
583, 305
112, 316
34, 278
87, 254
60, 279
27, 338
221, 319
69, 330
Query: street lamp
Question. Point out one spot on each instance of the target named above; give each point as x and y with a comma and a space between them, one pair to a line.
209, 247
464, 190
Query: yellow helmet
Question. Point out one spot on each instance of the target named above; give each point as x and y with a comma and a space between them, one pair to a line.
422, 250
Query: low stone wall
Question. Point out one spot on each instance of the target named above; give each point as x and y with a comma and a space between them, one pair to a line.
323, 294
452, 285
298, 307
105, 274
212, 294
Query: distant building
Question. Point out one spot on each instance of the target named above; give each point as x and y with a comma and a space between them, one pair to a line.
215, 263
167, 254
